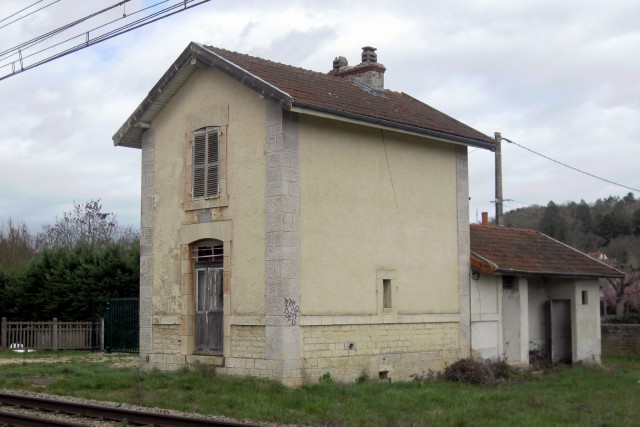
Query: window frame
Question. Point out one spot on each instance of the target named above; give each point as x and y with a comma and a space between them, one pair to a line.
208, 167
386, 290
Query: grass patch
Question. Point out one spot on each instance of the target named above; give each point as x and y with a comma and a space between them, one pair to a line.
39, 354
582, 395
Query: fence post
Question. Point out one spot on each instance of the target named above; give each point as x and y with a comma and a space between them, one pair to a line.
102, 334
3, 333
54, 332
110, 323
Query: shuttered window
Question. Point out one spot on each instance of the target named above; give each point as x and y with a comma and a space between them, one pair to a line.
206, 163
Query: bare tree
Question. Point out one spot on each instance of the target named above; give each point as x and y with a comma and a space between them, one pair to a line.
85, 223
631, 279
16, 245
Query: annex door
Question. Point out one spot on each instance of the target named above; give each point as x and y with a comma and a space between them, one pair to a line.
559, 318
208, 313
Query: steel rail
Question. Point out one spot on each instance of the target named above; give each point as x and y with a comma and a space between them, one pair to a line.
14, 419
110, 413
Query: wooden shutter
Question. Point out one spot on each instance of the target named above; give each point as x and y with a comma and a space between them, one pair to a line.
199, 164
206, 170
212, 163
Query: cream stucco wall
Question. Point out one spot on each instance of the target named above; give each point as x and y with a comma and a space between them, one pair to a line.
315, 215
209, 98
371, 201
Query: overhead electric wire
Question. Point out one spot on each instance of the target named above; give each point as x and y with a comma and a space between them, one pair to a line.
98, 27
571, 167
85, 33
28, 14
52, 33
183, 5
21, 10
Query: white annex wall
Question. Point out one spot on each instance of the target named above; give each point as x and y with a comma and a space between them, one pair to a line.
486, 304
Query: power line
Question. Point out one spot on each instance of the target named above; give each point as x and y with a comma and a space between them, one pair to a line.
153, 17
571, 167
28, 14
21, 10
41, 38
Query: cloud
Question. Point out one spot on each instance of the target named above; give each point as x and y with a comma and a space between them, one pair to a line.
557, 77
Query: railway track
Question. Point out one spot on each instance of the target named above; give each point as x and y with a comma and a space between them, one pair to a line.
92, 411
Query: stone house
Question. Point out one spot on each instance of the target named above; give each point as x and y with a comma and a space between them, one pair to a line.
296, 223
533, 295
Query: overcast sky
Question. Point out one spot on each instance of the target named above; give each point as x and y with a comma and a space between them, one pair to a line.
559, 77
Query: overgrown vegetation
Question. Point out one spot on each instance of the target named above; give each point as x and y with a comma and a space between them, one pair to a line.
471, 370
59, 271
582, 395
629, 318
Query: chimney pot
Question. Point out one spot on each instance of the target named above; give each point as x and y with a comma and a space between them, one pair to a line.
339, 63
368, 75
485, 218
369, 55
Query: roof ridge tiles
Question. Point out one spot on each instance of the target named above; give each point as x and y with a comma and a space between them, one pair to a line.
281, 64
308, 91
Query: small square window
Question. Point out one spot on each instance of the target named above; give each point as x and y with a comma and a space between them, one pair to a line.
585, 297
386, 293
386, 289
508, 282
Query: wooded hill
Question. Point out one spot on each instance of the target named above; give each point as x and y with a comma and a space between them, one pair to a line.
610, 225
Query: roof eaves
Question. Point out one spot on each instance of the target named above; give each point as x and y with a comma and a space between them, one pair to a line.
301, 107
555, 274
130, 132
482, 264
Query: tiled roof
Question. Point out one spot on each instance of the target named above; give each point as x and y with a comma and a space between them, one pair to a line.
302, 91
332, 93
529, 252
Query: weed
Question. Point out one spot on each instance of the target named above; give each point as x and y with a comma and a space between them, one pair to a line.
430, 377
540, 359
470, 370
137, 389
326, 378
363, 378
477, 371
500, 368
205, 370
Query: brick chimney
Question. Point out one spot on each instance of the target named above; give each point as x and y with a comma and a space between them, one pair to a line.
368, 75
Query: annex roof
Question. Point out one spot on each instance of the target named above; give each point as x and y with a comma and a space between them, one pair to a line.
302, 91
526, 252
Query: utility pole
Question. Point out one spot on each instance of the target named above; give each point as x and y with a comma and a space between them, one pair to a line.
498, 170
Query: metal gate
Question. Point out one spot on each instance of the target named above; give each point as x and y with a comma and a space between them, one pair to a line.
121, 324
